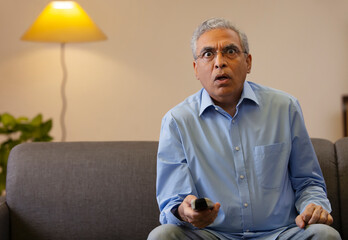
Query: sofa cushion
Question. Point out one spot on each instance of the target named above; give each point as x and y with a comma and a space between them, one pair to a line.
89, 190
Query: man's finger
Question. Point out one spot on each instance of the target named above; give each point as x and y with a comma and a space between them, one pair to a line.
329, 220
323, 217
300, 222
316, 214
308, 212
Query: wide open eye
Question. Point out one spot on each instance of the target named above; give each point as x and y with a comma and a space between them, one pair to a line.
231, 51
208, 54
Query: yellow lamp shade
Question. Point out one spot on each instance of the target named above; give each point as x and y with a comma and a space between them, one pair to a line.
63, 22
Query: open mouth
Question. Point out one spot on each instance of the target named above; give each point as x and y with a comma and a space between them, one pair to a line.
222, 77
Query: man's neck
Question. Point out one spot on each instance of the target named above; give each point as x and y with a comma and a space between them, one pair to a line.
229, 105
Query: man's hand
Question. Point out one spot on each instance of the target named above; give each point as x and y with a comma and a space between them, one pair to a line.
199, 219
313, 214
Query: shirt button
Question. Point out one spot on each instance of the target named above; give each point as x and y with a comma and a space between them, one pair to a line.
241, 176
233, 121
245, 205
237, 148
216, 108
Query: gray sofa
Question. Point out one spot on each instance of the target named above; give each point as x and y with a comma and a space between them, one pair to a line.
106, 190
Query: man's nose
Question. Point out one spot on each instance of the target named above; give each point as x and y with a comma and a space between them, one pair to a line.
220, 61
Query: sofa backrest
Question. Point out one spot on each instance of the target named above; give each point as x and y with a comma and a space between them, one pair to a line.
91, 190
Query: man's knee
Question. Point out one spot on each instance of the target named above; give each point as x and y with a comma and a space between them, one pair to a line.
166, 231
322, 231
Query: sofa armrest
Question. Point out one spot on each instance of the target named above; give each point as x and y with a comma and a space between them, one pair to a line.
342, 160
4, 220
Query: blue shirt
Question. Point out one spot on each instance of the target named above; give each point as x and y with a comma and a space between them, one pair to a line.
259, 164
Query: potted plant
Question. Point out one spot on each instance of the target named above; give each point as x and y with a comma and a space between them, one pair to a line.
14, 131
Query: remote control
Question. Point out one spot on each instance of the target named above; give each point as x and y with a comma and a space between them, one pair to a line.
201, 204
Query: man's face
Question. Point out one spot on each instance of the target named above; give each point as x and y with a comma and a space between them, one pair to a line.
223, 75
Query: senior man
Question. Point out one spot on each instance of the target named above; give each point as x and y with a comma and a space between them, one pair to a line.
242, 145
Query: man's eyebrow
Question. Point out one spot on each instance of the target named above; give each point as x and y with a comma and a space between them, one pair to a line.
205, 49
229, 46
209, 48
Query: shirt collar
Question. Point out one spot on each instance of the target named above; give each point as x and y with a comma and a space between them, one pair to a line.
248, 93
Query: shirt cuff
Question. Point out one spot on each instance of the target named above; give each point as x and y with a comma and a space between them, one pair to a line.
313, 194
171, 218
175, 212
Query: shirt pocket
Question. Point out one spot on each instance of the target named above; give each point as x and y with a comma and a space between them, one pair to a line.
270, 164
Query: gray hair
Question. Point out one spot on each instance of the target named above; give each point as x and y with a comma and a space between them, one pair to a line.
217, 23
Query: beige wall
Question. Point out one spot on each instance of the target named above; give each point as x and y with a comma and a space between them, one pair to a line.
119, 89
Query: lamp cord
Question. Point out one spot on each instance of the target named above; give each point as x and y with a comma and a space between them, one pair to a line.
63, 94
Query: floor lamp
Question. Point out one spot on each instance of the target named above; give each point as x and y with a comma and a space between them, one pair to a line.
63, 22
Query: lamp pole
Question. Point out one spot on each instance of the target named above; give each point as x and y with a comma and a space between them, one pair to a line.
63, 92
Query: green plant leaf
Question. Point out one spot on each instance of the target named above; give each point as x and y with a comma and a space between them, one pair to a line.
25, 136
46, 127
22, 119
37, 120
3, 130
8, 120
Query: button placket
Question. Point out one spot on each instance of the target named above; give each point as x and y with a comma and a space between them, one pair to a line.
240, 162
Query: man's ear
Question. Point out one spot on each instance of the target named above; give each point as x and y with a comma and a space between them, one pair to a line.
195, 69
249, 61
